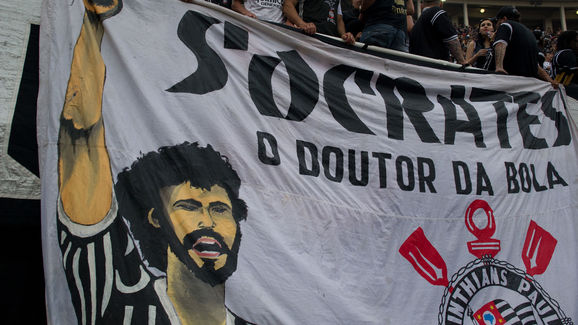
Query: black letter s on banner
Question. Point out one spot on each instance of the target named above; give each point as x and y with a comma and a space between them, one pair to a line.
211, 72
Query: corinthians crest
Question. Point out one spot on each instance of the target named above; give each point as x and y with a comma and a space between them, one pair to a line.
487, 290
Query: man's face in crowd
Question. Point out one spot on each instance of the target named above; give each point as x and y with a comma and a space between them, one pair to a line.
202, 221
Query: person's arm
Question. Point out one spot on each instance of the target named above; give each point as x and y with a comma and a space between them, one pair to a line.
470, 50
456, 50
238, 6
410, 7
470, 56
346, 36
473, 59
542, 74
410, 23
502, 35
447, 32
409, 15
292, 16
84, 174
500, 51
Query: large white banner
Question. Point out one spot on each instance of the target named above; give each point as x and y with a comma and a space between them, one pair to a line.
367, 190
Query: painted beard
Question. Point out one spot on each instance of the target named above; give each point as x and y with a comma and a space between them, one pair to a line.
208, 245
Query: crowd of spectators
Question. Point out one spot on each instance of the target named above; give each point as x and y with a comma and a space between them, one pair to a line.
557, 51
546, 40
501, 44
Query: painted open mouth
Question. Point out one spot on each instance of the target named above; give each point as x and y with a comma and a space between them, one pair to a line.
207, 247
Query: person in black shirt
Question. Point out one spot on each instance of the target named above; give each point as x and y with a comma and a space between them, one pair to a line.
565, 62
385, 23
565, 57
515, 47
434, 36
317, 16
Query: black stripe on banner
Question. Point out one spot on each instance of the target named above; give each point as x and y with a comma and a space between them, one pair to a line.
22, 145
